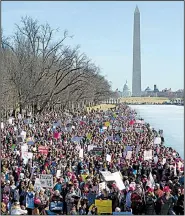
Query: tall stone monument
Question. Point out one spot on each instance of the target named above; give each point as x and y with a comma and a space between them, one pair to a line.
136, 76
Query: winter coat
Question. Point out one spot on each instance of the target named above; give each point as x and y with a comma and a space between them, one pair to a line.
150, 205
166, 205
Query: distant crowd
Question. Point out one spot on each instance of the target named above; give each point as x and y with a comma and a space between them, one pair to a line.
96, 162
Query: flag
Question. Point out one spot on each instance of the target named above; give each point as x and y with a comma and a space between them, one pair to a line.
150, 181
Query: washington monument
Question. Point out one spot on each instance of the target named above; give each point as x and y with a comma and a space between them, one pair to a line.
136, 76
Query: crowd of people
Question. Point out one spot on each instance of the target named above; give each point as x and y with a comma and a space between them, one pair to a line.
53, 163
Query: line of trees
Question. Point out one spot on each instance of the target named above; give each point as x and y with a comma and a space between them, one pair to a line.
40, 72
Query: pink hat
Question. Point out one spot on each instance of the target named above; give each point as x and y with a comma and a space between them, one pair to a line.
166, 189
131, 188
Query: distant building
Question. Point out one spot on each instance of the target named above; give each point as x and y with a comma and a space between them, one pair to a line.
126, 91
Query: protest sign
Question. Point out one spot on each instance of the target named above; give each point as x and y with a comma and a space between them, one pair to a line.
108, 158
157, 140
129, 155
138, 149
46, 180
23, 134
76, 139
107, 175
104, 206
2, 125
118, 179
19, 116
150, 181
90, 147
148, 155
56, 206
97, 151
102, 186
156, 159
81, 153
43, 149
37, 185
164, 161
58, 173
10, 121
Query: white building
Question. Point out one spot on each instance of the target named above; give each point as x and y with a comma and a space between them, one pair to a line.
126, 91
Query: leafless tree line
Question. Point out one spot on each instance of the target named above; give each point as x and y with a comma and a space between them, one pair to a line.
42, 73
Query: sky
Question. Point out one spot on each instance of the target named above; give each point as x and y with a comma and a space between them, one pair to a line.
104, 31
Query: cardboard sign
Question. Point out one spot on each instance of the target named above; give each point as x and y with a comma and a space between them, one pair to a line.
104, 206
46, 180
43, 149
148, 155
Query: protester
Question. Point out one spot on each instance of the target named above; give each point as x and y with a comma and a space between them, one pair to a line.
64, 163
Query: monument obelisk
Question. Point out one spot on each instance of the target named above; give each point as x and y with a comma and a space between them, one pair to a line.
136, 76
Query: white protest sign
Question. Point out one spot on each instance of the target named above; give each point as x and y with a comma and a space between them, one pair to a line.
129, 155
108, 158
58, 173
157, 140
19, 116
148, 155
102, 186
164, 161
156, 159
46, 180
37, 185
10, 121
107, 175
90, 147
150, 181
23, 134
118, 180
81, 153
2, 125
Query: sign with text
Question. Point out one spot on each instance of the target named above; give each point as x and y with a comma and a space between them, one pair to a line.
148, 155
46, 180
104, 206
43, 150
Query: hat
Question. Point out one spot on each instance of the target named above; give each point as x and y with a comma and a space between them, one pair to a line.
117, 209
166, 189
131, 188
